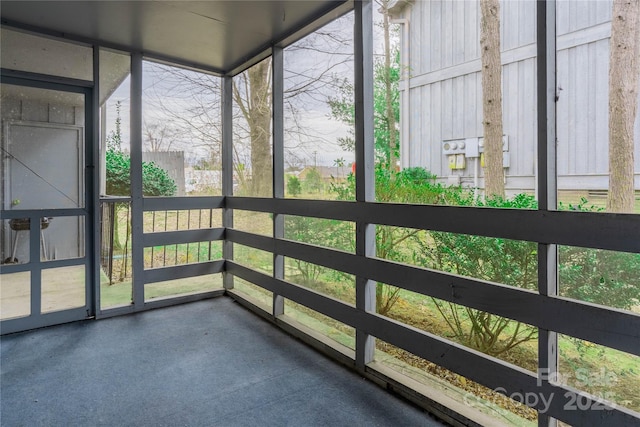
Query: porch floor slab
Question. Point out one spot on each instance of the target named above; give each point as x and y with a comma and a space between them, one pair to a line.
210, 363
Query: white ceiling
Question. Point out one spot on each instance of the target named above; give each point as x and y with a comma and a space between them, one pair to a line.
216, 35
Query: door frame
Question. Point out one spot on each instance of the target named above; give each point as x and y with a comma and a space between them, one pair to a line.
36, 318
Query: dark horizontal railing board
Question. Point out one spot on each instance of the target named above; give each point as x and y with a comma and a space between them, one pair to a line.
472, 364
316, 208
566, 401
620, 232
326, 305
183, 236
609, 327
182, 271
53, 213
603, 231
493, 373
602, 325
182, 203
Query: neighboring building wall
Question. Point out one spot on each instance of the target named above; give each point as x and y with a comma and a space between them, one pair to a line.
445, 93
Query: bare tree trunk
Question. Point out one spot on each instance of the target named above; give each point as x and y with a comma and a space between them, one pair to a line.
491, 97
259, 121
624, 69
391, 118
253, 97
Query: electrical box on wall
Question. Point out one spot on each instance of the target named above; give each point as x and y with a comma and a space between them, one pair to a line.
453, 146
458, 150
452, 161
457, 161
505, 143
505, 160
471, 149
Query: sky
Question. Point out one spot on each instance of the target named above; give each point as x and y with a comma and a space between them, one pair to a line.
319, 144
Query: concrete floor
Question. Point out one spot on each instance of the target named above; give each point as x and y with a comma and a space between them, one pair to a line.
210, 363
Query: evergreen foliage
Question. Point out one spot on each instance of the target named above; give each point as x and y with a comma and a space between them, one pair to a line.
155, 180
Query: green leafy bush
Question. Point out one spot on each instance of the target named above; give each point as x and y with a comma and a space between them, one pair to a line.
313, 181
155, 180
510, 262
601, 277
293, 185
322, 232
597, 276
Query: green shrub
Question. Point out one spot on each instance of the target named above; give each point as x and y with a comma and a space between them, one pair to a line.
155, 180
313, 181
601, 277
592, 275
510, 262
293, 185
318, 231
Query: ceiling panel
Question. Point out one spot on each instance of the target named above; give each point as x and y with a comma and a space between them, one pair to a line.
218, 35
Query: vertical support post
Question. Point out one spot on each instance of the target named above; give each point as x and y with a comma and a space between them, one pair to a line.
277, 97
137, 209
365, 185
227, 171
96, 171
102, 148
547, 182
102, 165
34, 259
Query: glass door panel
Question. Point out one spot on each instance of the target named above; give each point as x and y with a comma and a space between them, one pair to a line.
45, 223
63, 288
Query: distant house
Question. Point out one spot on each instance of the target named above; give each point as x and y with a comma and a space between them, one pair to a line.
441, 92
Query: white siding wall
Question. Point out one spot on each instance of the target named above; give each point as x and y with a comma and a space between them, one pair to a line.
446, 94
